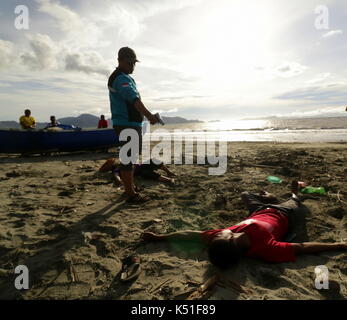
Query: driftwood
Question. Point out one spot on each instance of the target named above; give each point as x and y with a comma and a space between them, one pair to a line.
156, 288
206, 290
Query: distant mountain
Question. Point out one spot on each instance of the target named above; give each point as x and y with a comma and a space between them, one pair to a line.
174, 120
88, 121
9, 124
82, 121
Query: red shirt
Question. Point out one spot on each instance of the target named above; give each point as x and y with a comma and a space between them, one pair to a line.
102, 124
265, 229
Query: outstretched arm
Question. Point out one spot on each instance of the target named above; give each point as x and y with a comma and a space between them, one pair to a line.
187, 235
314, 247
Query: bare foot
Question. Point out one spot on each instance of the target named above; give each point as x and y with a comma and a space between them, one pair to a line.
269, 197
297, 185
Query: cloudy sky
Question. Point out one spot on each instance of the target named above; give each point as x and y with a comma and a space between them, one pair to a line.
200, 59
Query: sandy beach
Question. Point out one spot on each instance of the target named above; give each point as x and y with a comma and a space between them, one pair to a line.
70, 226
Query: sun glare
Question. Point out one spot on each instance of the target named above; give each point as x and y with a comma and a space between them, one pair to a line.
235, 37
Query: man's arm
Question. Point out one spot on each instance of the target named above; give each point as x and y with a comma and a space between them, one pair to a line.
144, 111
187, 235
314, 247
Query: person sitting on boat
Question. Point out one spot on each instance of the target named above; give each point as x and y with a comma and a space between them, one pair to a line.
102, 122
27, 121
53, 124
260, 236
146, 171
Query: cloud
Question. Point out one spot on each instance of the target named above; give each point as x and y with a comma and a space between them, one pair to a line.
317, 112
290, 69
89, 62
7, 54
286, 69
320, 77
43, 55
66, 18
331, 93
332, 33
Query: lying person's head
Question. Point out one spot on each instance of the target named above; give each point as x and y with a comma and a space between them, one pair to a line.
226, 248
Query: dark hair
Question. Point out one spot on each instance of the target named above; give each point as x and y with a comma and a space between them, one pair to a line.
222, 253
27, 110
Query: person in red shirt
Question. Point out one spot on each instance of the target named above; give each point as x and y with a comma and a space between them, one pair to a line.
260, 236
102, 122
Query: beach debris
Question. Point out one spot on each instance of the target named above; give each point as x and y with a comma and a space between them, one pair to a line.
89, 203
159, 286
66, 175
274, 179
73, 273
65, 193
67, 209
131, 268
13, 174
89, 236
157, 220
310, 190
206, 290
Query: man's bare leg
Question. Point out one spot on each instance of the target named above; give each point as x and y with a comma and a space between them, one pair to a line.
127, 179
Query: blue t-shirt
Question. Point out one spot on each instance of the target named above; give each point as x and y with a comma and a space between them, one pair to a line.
123, 94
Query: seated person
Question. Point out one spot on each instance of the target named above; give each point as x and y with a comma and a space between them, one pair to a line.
27, 121
259, 236
102, 122
53, 124
146, 171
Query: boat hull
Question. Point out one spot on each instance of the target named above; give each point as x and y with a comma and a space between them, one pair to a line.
41, 141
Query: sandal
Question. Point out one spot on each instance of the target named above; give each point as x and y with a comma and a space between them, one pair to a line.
137, 199
131, 268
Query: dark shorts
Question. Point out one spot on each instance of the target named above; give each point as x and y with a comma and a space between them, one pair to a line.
147, 171
123, 165
289, 208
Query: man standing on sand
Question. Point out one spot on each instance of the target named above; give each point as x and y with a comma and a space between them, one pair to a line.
259, 236
127, 113
27, 121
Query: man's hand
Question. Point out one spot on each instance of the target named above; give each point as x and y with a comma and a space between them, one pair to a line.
152, 119
144, 111
150, 236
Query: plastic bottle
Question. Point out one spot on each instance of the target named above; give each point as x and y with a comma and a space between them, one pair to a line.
319, 190
274, 179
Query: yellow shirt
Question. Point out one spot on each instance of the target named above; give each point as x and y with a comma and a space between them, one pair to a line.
26, 122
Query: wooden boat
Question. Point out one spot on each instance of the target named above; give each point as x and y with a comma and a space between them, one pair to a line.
42, 141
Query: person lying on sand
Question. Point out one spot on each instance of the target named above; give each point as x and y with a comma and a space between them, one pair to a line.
146, 171
259, 236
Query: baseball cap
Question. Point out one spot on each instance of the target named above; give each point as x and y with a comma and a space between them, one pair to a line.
128, 54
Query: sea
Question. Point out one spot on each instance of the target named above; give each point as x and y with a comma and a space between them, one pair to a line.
333, 129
